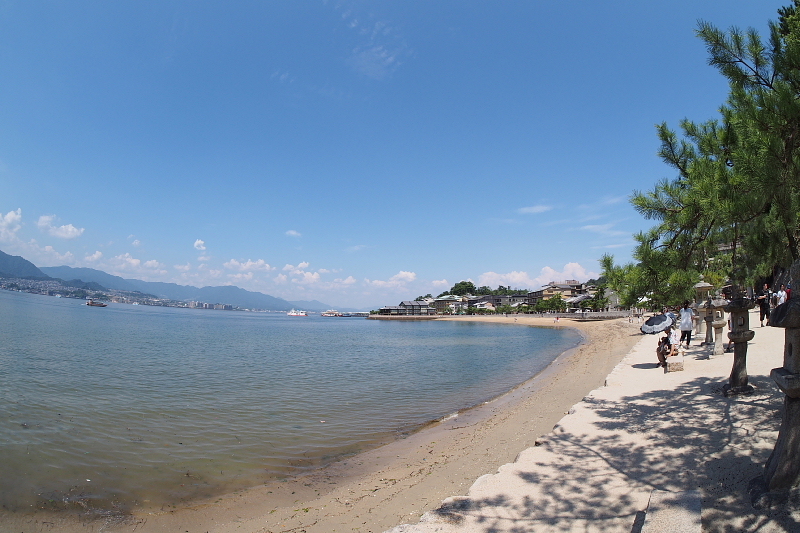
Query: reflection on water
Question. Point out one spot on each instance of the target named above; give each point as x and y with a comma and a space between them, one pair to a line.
142, 406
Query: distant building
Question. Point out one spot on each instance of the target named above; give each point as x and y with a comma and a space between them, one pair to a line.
567, 289
408, 308
449, 304
499, 300
483, 305
575, 301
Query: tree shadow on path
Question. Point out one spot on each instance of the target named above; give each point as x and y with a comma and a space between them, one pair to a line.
594, 472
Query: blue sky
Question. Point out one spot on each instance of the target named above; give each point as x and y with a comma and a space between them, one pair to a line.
359, 153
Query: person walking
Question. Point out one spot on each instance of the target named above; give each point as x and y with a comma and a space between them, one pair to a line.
686, 314
764, 296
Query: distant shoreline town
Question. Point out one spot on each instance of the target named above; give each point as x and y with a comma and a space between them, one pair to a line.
19, 274
61, 289
567, 296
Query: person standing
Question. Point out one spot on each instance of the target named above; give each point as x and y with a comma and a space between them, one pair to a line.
781, 295
686, 314
764, 296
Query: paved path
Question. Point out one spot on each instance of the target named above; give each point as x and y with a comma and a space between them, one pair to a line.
644, 431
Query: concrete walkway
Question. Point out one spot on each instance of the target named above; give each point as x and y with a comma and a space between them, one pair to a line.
645, 433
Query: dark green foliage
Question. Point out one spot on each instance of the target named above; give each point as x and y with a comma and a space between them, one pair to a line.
463, 288
733, 210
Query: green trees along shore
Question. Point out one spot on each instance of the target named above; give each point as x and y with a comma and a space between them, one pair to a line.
732, 213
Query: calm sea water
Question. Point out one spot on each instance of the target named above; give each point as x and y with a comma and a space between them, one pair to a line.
124, 406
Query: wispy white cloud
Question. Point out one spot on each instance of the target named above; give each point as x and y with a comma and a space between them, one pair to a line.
10, 224
200, 244
126, 263
603, 201
182, 268
570, 271
67, 231
136, 243
209, 272
282, 76
604, 229
94, 257
381, 47
375, 61
306, 278
616, 245
49, 256
356, 248
522, 280
248, 265
518, 280
296, 269
440, 283
534, 209
293, 233
398, 280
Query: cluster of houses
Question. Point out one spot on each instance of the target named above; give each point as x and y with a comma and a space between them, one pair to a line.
571, 291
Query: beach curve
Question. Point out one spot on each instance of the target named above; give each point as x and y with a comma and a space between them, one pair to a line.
398, 482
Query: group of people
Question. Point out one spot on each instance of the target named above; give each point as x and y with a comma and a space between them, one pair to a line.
767, 300
673, 337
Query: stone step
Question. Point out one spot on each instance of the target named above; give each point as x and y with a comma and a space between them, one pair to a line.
673, 512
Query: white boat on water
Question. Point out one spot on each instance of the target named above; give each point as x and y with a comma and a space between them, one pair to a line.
331, 312
294, 312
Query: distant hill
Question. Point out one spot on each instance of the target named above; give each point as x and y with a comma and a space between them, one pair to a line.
78, 284
17, 267
89, 275
90, 278
225, 294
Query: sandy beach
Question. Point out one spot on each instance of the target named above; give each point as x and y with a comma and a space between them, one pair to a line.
398, 483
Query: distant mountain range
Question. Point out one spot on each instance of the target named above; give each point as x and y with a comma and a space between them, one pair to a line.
16, 266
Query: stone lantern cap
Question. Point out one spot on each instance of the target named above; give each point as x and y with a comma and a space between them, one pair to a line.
716, 303
740, 304
703, 285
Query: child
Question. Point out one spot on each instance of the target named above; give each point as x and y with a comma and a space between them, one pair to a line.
666, 347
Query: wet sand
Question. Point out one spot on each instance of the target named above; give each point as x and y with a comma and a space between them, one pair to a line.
398, 482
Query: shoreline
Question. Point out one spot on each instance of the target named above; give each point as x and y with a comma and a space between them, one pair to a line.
396, 483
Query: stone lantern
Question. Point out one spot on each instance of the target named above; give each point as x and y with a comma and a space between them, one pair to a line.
719, 323
702, 291
714, 318
740, 333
